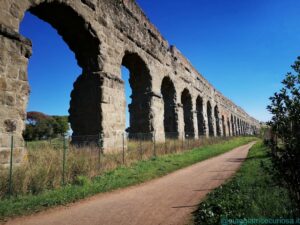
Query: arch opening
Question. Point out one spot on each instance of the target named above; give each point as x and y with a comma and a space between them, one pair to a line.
79, 36
140, 80
128, 92
224, 126
186, 101
210, 120
75, 31
242, 127
170, 115
200, 116
229, 127
238, 127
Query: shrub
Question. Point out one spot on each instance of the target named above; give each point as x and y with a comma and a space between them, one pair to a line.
285, 124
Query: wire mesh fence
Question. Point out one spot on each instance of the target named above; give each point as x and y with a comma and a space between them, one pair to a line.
64, 160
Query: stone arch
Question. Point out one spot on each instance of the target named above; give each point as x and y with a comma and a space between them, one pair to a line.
242, 127
187, 104
200, 116
170, 115
85, 113
210, 119
229, 127
140, 82
217, 120
75, 31
224, 126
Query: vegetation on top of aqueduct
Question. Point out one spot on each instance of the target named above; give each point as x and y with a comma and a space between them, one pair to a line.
122, 176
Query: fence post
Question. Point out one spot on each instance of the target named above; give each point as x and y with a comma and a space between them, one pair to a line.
165, 146
64, 158
140, 147
123, 150
154, 147
182, 142
11, 164
174, 141
188, 142
100, 149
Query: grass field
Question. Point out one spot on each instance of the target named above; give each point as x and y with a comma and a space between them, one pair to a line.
122, 176
252, 193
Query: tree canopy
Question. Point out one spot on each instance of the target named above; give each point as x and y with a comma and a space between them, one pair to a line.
40, 126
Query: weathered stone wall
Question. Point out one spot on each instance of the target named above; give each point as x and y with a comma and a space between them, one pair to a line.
105, 35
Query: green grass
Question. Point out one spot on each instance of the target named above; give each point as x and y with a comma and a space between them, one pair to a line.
119, 178
37, 145
252, 193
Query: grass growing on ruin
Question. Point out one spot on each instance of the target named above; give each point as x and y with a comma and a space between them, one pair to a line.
252, 193
122, 176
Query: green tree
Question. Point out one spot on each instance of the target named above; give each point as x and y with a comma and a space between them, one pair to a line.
41, 126
285, 124
60, 124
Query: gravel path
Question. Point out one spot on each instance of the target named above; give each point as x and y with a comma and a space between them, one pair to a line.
166, 200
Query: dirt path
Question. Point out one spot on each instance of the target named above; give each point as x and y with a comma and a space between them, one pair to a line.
167, 200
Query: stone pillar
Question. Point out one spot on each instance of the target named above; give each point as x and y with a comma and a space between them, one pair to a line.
113, 116
230, 128
157, 117
85, 112
180, 121
195, 122
205, 117
214, 122
220, 125
14, 91
113, 106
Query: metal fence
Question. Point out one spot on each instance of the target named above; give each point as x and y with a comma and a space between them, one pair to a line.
66, 160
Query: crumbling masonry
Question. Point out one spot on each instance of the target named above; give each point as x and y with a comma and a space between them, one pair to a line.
168, 94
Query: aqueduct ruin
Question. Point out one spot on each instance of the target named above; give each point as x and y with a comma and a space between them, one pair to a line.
168, 94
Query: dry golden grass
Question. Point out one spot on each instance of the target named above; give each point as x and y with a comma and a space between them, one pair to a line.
44, 168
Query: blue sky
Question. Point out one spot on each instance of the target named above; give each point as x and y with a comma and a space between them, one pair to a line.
243, 47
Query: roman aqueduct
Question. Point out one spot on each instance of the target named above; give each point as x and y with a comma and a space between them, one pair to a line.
168, 94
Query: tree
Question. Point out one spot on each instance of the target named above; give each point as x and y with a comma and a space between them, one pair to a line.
41, 126
61, 124
285, 124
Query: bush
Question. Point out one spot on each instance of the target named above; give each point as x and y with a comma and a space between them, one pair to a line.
285, 142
